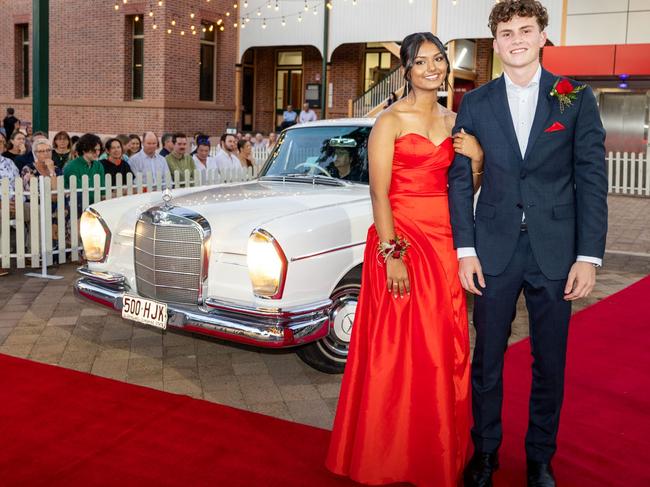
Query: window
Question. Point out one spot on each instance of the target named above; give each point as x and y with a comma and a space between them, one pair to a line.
377, 66
137, 58
465, 55
207, 66
290, 58
22, 60
288, 82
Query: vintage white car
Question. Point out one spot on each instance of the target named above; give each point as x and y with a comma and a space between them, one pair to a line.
274, 262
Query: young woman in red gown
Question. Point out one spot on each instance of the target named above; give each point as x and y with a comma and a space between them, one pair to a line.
404, 407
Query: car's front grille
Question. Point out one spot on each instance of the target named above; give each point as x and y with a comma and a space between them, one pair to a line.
169, 260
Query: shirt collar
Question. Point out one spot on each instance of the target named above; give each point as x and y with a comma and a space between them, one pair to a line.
533, 82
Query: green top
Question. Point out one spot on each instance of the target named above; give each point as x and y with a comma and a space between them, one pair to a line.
185, 162
78, 167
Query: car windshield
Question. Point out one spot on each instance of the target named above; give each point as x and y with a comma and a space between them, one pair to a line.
331, 152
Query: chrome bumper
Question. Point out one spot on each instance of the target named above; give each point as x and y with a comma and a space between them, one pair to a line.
264, 327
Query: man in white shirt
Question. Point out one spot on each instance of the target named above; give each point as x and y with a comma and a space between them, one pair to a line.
307, 114
148, 160
226, 160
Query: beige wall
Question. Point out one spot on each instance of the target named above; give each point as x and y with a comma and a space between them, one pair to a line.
595, 22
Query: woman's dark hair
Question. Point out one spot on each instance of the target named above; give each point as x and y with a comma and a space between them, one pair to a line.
241, 143
87, 143
135, 136
10, 141
409, 51
65, 134
110, 141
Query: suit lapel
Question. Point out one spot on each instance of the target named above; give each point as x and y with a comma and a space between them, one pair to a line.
501, 109
543, 110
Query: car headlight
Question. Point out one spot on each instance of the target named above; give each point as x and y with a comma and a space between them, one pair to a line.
95, 236
267, 265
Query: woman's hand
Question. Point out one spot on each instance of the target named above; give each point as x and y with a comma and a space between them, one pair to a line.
49, 163
397, 277
468, 146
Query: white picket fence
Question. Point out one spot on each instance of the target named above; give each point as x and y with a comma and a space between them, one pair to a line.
20, 240
20, 231
629, 173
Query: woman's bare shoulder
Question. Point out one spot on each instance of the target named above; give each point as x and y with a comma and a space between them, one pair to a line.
388, 121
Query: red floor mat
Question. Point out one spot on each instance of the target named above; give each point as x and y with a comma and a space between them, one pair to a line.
64, 428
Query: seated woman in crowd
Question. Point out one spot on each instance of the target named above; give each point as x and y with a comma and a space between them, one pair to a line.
43, 165
16, 146
133, 145
246, 154
202, 158
62, 149
114, 164
270, 142
7, 167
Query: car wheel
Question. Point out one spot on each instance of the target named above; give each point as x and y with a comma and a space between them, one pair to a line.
329, 354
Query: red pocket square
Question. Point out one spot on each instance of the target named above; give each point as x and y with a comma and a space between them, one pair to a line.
555, 127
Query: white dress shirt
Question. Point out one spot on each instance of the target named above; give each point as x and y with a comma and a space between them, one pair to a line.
307, 116
142, 163
227, 161
210, 163
522, 101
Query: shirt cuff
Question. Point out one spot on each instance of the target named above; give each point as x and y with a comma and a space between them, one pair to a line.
466, 252
592, 260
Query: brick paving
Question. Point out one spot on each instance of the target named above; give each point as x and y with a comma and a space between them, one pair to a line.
42, 321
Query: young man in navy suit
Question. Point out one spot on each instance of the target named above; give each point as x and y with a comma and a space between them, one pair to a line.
539, 227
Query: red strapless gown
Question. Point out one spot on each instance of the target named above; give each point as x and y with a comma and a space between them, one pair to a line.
404, 408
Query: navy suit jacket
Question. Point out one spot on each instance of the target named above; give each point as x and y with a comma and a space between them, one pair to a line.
560, 183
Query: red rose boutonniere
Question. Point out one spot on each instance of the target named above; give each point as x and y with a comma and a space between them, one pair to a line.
565, 92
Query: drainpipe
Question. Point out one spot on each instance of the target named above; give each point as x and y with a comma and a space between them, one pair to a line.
40, 64
326, 41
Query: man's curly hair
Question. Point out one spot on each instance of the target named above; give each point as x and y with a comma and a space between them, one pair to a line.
505, 10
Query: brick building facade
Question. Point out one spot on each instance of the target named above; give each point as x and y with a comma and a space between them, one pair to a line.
91, 66
92, 76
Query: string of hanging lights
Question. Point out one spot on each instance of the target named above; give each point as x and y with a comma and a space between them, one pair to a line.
239, 16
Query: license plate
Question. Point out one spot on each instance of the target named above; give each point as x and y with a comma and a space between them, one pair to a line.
145, 311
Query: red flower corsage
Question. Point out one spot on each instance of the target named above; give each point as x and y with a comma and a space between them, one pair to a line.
395, 248
565, 92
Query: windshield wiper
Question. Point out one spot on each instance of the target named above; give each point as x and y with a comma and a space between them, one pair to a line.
306, 178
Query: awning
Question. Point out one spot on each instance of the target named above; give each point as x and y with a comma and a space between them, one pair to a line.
606, 60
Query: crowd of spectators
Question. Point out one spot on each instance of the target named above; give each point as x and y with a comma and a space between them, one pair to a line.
26, 155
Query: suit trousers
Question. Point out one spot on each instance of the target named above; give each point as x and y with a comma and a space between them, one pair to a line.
549, 316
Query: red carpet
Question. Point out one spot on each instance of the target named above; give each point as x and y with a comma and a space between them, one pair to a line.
63, 428
604, 438
59, 427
